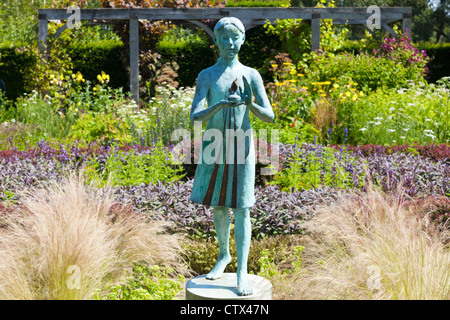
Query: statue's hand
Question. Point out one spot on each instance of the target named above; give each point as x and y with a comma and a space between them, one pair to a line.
230, 104
248, 93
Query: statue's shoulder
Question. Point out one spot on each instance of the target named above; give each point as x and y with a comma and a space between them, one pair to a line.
206, 74
252, 74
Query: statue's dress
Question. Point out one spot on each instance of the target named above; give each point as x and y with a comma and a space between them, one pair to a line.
230, 182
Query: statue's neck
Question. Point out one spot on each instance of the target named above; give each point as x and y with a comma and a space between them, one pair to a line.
231, 63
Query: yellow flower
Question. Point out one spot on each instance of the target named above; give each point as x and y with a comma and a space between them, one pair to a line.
354, 97
99, 78
361, 93
95, 89
300, 75
335, 85
61, 77
274, 65
292, 80
105, 77
348, 94
293, 71
323, 95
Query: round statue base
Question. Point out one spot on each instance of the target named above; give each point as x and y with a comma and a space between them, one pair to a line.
200, 288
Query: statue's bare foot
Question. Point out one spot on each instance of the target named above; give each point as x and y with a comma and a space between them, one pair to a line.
243, 288
218, 269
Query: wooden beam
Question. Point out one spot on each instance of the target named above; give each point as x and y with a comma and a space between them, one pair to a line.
43, 33
134, 58
406, 23
315, 31
349, 13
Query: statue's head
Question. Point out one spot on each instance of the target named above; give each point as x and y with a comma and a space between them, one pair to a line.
229, 35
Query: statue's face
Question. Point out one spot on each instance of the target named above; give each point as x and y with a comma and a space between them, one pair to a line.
229, 40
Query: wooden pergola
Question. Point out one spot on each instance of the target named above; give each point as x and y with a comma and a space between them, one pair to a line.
250, 17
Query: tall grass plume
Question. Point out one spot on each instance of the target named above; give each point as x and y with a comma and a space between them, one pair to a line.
69, 240
374, 246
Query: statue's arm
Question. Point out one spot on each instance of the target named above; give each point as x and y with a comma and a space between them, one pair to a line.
198, 111
262, 108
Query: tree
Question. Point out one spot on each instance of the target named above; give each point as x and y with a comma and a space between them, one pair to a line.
442, 18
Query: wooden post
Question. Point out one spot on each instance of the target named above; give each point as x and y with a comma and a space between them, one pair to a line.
43, 33
406, 24
315, 31
134, 57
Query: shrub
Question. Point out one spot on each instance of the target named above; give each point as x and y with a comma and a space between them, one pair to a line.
125, 168
295, 34
439, 59
314, 166
387, 171
15, 64
258, 47
192, 54
93, 57
100, 127
145, 283
413, 114
434, 152
45, 115
166, 112
402, 52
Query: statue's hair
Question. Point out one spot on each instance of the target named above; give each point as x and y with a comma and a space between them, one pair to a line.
229, 20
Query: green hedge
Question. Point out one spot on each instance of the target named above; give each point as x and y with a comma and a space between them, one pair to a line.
439, 65
15, 63
192, 57
90, 59
258, 46
440, 59
107, 55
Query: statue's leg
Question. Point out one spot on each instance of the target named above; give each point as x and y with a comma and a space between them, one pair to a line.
222, 226
242, 234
